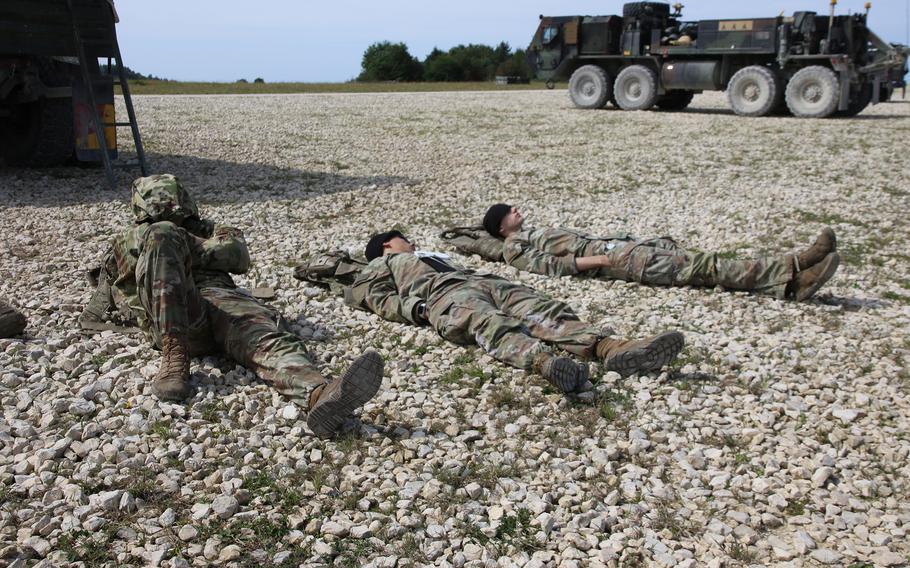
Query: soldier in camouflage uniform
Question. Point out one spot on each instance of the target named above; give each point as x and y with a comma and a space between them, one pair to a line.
511, 322
172, 270
658, 262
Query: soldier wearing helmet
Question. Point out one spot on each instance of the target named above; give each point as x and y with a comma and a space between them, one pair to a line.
173, 273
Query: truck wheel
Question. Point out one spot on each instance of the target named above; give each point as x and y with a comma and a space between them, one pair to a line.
590, 87
753, 91
636, 88
40, 134
637, 9
675, 100
858, 102
813, 92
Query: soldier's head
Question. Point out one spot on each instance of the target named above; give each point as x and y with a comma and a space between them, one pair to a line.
389, 242
502, 220
162, 198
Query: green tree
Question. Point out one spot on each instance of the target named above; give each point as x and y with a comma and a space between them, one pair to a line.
516, 65
443, 67
386, 61
477, 62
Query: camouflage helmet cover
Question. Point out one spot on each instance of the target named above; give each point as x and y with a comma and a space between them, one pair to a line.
162, 198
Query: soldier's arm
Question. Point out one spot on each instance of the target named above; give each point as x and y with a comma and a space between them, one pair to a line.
375, 289
524, 256
225, 250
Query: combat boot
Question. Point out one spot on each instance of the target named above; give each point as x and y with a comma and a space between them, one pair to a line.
333, 402
806, 283
824, 244
173, 379
641, 356
561, 372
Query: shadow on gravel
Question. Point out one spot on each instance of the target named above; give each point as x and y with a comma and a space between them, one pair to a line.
728, 112
853, 304
211, 182
691, 378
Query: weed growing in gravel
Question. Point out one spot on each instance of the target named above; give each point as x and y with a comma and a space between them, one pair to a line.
410, 548
274, 491
85, 546
162, 430
827, 218
667, 519
514, 534
742, 553
352, 553
614, 404
795, 508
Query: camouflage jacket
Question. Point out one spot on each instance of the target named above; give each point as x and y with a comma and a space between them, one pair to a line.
394, 285
549, 251
216, 251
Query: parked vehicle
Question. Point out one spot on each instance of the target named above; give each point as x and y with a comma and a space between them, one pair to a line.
811, 65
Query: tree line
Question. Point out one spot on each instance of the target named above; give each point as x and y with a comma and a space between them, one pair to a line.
387, 61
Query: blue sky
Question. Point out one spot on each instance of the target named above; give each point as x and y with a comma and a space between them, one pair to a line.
297, 40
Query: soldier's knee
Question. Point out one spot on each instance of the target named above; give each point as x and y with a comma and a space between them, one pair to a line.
163, 231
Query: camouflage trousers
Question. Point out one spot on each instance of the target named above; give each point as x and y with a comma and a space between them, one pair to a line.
218, 320
661, 262
511, 322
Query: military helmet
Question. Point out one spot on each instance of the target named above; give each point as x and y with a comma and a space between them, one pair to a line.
162, 198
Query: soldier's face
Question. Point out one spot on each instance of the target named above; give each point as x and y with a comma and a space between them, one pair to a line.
512, 221
396, 245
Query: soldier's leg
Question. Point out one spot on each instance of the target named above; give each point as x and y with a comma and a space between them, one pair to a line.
768, 276
249, 332
547, 319
176, 313
660, 262
470, 315
166, 289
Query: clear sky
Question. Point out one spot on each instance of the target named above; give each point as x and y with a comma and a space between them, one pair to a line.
299, 40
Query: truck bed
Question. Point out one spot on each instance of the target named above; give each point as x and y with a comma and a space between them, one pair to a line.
45, 27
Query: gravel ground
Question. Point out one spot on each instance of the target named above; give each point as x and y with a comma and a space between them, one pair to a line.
780, 437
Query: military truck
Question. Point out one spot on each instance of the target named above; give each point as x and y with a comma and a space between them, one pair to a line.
54, 98
808, 64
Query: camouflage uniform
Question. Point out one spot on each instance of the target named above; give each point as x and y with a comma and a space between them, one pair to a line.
658, 262
511, 322
173, 275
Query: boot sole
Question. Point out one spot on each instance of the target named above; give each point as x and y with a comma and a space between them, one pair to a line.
567, 376
170, 395
652, 357
830, 269
359, 384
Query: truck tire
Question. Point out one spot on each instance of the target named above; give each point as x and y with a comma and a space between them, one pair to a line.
753, 91
675, 100
40, 133
858, 102
813, 92
635, 88
590, 87
638, 9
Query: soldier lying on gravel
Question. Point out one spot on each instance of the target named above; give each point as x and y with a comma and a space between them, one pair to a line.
172, 269
511, 322
656, 262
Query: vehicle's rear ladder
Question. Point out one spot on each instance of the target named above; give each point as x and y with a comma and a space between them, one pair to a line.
95, 36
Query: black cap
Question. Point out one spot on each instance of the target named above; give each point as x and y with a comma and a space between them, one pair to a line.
493, 219
374, 245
